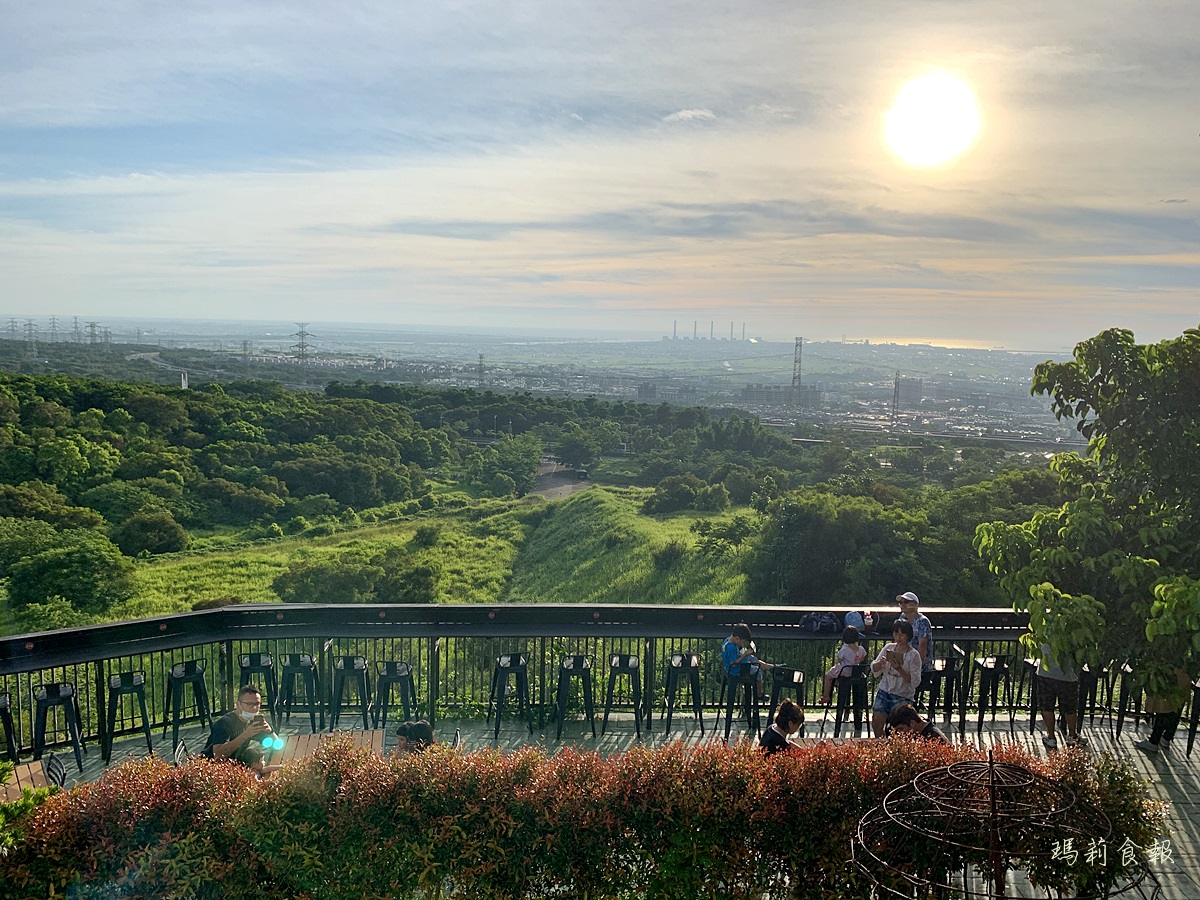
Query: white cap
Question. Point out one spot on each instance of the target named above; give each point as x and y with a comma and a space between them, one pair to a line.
909, 597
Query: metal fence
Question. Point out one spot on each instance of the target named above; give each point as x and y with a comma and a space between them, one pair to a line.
451, 648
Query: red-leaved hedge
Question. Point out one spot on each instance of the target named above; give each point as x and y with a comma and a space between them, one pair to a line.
672, 822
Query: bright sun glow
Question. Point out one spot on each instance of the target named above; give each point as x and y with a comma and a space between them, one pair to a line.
933, 120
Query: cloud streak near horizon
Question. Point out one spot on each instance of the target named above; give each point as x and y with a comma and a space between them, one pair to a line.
601, 166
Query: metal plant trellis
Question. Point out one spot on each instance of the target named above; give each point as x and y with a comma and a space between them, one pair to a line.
962, 830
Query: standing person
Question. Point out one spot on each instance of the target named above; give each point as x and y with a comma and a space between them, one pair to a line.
898, 667
788, 719
922, 628
1058, 681
738, 651
233, 735
1166, 712
850, 654
905, 719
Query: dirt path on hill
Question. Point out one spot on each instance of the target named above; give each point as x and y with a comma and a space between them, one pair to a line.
554, 482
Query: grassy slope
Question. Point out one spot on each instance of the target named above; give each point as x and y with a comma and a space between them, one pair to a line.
594, 547
597, 548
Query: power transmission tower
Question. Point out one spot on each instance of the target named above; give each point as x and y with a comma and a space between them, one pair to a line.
31, 338
107, 338
797, 373
77, 333
93, 333
54, 329
301, 347
896, 398
245, 354
12, 329
481, 371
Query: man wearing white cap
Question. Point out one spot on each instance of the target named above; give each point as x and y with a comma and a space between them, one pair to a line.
922, 629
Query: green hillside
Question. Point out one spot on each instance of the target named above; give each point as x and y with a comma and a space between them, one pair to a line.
597, 548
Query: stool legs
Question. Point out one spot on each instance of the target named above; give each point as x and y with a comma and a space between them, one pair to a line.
10, 735
749, 699
500, 690
39, 729
287, 695
114, 700
637, 699
340, 676
564, 692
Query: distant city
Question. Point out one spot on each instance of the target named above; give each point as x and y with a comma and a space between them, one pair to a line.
856, 384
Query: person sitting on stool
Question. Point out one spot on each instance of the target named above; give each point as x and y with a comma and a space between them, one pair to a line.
738, 651
237, 735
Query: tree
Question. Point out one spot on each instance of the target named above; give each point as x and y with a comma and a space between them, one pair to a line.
84, 568
1112, 573
151, 530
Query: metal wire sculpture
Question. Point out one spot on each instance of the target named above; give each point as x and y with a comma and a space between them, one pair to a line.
962, 830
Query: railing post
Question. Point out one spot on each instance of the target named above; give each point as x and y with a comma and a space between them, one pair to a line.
227, 686
648, 671
434, 676
101, 703
541, 683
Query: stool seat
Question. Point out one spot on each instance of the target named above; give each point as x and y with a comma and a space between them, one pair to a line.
302, 666
516, 665
681, 668
6, 719
260, 664
60, 694
389, 674
182, 675
352, 669
575, 667
624, 665
125, 684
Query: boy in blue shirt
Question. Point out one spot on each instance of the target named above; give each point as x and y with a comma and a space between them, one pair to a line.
738, 651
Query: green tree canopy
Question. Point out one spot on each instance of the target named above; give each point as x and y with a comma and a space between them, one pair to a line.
1112, 573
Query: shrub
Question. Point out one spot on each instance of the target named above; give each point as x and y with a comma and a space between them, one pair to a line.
669, 554
672, 822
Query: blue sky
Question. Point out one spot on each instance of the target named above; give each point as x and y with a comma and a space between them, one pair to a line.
608, 166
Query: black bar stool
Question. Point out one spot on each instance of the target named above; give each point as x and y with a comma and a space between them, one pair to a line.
783, 679
354, 670
684, 667
1029, 668
575, 667
260, 664
516, 665
994, 671
6, 719
851, 698
748, 682
394, 674
47, 696
301, 665
189, 672
123, 684
630, 667
1091, 682
1130, 694
945, 675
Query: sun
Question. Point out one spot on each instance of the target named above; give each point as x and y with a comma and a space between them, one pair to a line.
933, 120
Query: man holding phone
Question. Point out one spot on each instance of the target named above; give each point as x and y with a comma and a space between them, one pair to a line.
238, 734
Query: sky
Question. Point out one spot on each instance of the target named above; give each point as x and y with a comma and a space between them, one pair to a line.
614, 166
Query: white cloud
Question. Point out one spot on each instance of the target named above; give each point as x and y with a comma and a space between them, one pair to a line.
691, 115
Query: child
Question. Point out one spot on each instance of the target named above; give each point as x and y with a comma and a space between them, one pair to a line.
898, 667
850, 654
738, 651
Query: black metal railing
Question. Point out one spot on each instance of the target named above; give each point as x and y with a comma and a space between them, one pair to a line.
452, 649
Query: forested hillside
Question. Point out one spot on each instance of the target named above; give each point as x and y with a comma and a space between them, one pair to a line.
122, 499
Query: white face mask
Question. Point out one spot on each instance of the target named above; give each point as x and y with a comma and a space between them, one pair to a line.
246, 716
